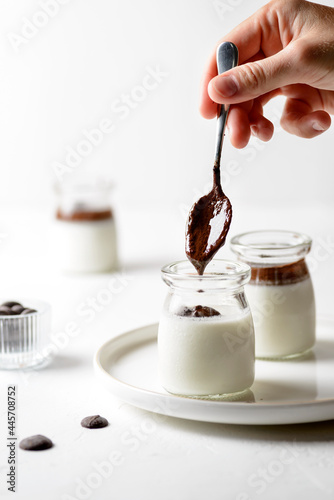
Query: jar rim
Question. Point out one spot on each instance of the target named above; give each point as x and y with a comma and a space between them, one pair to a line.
269, 245
220, 274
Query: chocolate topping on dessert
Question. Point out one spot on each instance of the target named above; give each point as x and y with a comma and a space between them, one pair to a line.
199, 312
280, 275
208, 224
83, 213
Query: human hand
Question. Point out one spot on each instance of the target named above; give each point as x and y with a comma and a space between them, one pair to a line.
285, 48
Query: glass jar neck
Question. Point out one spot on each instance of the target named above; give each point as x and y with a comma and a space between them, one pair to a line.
83, 201
273, 249
220, 276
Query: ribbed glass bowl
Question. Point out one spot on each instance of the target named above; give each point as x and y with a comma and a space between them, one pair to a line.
23, 338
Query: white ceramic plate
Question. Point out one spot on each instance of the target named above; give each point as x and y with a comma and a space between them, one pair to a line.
284, 392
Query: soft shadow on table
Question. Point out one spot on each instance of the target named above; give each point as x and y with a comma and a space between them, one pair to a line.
311, 432
325, 350
62, 362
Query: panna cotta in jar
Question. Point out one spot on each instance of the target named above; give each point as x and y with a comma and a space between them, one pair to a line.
206, 334
280, 291
84, 233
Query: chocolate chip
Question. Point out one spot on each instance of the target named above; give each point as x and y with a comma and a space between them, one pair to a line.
36, 443
28, 311
11, 303
12, 308
5, 311
199, 312
94, 422
17, 309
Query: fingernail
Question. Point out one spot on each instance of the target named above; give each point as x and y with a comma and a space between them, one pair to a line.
317, 126
225, 86
254, 130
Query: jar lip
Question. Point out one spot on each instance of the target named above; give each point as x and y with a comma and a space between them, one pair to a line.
219, 272
282, 245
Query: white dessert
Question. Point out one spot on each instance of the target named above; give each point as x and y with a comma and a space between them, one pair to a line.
206, 356
284, 318
85, 246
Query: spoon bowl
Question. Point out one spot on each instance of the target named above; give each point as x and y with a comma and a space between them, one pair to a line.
208, 223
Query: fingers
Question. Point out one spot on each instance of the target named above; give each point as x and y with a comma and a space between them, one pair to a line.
298, 119
246, 119
261, 127
207, 107
238, 127
254, 79
303, 113
247, 37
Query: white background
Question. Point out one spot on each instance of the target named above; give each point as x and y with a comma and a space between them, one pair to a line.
65, 78
61, 82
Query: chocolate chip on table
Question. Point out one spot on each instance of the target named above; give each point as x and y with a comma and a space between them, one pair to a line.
199, 312
28, 311
36, 443
94, 422
11, 303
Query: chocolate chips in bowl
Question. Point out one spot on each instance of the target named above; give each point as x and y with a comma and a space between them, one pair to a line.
24, 333
12, 308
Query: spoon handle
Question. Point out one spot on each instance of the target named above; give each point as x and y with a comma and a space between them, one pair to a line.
227, 58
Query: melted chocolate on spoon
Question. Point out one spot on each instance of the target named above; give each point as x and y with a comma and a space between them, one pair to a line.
208, 224
210, 217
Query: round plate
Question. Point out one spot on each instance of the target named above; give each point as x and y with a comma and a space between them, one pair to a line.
284, 392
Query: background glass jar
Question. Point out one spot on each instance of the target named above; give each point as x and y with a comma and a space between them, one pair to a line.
84, 233
206, 334
280, 291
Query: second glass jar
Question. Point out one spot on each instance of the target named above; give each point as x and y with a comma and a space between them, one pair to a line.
280, 291
84, 232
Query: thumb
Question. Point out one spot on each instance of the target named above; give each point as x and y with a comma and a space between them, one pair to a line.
253, 79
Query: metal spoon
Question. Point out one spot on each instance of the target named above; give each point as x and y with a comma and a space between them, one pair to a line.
210, 217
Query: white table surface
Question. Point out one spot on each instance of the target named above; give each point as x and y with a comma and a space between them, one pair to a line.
156, 457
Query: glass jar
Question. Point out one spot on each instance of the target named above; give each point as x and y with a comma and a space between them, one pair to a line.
84, 233
280, 291
206, 334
